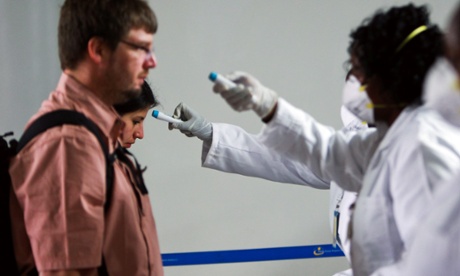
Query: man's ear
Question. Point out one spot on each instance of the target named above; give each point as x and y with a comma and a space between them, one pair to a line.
97, 49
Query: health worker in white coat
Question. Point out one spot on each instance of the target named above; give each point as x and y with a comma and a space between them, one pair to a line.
229, 148
396, 167
436, 247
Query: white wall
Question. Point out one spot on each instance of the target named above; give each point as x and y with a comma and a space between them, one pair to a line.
295, 47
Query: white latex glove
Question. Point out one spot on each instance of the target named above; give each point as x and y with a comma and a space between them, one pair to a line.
194, 124
248, 94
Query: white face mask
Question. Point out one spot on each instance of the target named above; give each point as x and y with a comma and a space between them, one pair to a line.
441, 91
355, 99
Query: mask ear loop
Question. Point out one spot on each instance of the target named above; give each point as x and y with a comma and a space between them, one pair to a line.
362, 88
372, 106
456, 85
413, 34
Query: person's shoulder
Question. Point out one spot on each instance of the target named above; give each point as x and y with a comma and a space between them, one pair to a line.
71, 137
426, 133
412, 123
432, 125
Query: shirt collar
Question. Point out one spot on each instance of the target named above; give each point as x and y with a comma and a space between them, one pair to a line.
88, 103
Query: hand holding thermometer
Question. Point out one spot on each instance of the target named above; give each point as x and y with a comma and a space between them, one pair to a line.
246, 99
161, 116
215, 77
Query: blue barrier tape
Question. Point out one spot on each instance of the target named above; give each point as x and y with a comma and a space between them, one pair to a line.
251, 255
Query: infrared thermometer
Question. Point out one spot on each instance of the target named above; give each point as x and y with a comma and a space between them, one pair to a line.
215, 77
161, 116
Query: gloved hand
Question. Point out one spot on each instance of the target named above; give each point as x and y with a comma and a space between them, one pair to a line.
194, 124
248, 94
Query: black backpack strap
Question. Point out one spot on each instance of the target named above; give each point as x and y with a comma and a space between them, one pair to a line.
7, 257
71, 117
137, 171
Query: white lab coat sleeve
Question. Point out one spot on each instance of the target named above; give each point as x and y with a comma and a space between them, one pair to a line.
234, 150
331, 155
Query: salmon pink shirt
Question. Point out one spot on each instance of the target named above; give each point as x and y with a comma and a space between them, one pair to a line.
58, 197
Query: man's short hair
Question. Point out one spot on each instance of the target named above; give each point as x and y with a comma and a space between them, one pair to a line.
111, 20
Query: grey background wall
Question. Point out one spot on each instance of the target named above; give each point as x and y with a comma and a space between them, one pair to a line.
296, 47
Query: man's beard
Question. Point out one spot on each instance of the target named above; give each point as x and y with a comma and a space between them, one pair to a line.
131, 94
126, 95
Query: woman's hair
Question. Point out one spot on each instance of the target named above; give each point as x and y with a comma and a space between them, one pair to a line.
378, 46
146, 99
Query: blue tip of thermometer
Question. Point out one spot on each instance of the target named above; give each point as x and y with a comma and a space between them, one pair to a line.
161, 116
215, 77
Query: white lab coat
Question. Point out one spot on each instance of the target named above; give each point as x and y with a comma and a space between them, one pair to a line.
234, 150
436, 246
436, 249
418, 151
341, 200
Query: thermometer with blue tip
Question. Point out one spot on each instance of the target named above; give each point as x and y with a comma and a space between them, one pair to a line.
215, 77
161, 116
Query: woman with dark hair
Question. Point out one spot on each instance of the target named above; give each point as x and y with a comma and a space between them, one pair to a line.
133, 113
395, 166
391, 54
